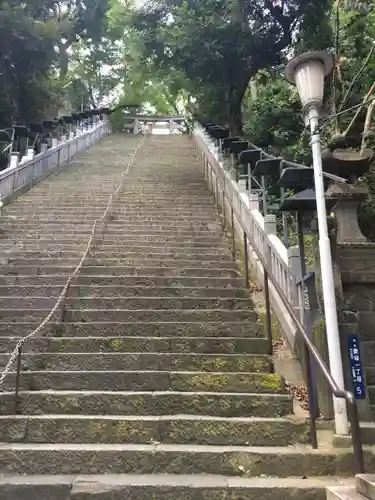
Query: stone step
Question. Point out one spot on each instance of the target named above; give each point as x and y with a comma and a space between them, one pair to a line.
129, 303
148, 190
179, 248
147, 403
139, 261
112, 361
119, 235
119, 210
157, 303
82, 280
15, 255
112, 226
120, 213
111, 231
365, 484
343, 493
19, 458
145, 380
140, 429
141, 328
184, 315
129, 239
129, 315
208, 345
164, 486
51, 292
98, 270
191, 204
116, 220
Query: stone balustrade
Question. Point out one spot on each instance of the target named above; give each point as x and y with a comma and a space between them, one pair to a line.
22, 173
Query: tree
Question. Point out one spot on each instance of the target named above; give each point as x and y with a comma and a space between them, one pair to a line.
26, 57
222, 43
76, 20
140, 81
272, 117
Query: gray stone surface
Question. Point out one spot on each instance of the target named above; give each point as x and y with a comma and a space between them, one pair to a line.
148, 403
162, 486
160, 366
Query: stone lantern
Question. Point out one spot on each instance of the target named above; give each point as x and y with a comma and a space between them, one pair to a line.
350, 165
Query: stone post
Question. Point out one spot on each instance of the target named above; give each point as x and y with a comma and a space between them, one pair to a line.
136, 127
346, 258
294, 265
254, 201
14, 160
29, 156
357, 316
349, 197
270, 224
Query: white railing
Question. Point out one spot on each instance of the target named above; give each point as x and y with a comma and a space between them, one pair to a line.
26, 171
281, 263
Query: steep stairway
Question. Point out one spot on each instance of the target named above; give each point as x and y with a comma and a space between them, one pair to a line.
157, 383
362, 489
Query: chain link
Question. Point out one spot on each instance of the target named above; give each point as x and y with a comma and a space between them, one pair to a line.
63, 294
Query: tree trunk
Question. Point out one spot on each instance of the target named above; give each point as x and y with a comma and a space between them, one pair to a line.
63, 59
235, 124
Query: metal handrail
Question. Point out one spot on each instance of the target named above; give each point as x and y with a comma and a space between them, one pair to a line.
7, 147
310, 349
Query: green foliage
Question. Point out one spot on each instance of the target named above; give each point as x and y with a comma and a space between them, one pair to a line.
35, 37
26, 57
117, 120
140, 81
273, 120
222, 43
272, 109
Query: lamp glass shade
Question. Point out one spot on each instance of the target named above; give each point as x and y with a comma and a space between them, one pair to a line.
309, 78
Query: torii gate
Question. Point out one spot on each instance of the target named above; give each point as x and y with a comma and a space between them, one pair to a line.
150, 120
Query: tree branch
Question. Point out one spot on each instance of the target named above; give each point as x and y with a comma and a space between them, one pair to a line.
357, 75
367, 126
365, 100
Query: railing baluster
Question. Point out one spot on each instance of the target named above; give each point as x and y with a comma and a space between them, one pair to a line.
29, 171
233, 234
246, 260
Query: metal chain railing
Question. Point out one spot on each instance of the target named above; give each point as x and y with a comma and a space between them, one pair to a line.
60, 300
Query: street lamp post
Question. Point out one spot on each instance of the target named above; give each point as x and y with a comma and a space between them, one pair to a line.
308, 72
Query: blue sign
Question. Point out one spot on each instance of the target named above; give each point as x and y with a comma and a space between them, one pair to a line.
356, 369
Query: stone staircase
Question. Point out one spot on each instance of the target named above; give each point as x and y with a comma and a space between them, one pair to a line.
157, 383
363, 489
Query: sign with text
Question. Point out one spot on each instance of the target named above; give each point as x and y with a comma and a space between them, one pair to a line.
356, 369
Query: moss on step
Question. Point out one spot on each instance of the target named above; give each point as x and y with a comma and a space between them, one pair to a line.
115, 345
165, 403
277, 332
262, 382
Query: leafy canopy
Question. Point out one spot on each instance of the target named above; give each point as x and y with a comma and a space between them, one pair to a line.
224, 43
